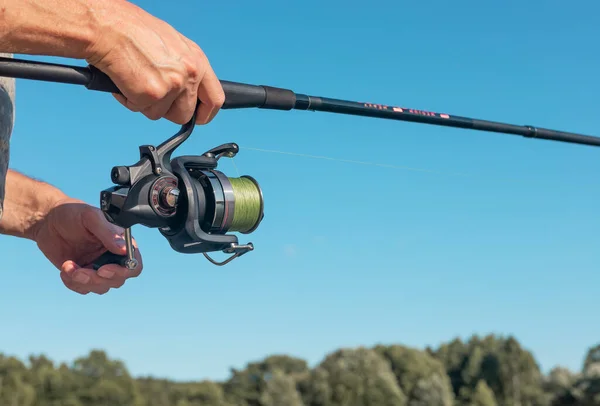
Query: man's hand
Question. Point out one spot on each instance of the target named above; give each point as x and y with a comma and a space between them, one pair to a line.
69, 232
160, 72
72, 235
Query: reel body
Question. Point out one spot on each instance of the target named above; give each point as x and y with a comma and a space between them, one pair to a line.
192, 204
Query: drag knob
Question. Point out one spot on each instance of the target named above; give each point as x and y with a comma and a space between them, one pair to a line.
164, 196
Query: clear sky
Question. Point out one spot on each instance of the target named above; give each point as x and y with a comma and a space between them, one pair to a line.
499, 234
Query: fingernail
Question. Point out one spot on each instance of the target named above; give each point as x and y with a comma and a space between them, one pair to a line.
120, 242
81, 278
105, 273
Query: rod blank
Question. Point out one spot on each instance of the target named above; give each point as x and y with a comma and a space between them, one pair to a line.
243, 95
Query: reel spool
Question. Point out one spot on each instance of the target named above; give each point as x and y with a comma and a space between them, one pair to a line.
232, 204
193, 205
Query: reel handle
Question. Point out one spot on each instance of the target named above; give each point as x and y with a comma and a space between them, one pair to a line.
128, 260
109, 258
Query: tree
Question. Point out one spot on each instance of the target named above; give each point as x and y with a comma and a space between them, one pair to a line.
55, 386
357, 377
280, 390
510, 371
558, 384
204, 393
591, 364
420, 376
102, 381
432, 391
482, 395
582, 389
245, 387
15, 389
453, 356
483, 371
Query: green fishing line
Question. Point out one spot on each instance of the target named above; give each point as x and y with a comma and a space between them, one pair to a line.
248, 204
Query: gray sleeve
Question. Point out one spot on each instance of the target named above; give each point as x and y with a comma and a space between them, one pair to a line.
7, 118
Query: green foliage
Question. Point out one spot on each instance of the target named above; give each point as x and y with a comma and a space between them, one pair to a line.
246, 387
510, 371
281, 390
482, 371
420, 376
577, 390
358, 377
482, 395
592, 358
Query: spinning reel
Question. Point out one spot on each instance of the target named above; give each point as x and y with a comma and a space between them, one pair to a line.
193, 204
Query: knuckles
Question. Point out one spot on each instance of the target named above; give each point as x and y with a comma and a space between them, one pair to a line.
184, 77
177, 81
155, 90
152, 114
194, 71
187, 74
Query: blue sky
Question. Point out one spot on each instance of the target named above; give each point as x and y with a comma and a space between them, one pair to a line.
348, 254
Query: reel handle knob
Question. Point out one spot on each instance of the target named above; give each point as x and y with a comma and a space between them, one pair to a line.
128, 261
109, 258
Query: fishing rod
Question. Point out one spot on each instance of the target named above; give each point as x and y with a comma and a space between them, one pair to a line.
190, 202
242, 95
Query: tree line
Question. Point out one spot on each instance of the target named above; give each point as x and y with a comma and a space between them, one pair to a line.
481, 371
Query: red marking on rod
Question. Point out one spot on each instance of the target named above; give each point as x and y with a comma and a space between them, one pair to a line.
421, 112
444, 116
398, 109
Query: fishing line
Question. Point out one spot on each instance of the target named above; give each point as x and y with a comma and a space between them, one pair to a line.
237, 171
248, 204
413, 169
408, 168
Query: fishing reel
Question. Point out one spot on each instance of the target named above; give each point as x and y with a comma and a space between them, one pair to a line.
192, 204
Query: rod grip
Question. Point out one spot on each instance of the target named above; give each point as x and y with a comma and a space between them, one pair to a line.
279, 99
237, 95
242, 95
100, 81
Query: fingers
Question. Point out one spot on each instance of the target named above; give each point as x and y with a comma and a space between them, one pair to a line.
182, 109
211, 96
159, 109
210, 91
177, 95
85, 280
110, 276
109, 234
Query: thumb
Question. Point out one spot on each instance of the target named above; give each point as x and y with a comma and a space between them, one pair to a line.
110, 235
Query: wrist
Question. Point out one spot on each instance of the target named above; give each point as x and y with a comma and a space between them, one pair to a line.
50, 199
26, 205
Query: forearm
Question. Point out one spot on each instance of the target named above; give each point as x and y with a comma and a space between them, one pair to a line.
27, 201
65, 28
